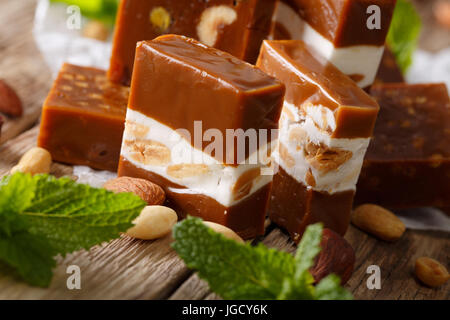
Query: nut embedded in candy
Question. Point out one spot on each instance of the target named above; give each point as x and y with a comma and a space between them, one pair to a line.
211, 20
160, 19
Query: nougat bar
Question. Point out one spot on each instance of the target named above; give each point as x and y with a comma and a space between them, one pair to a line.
349, 33
408, 162
186, 97
237, 27
83, 118
325, 128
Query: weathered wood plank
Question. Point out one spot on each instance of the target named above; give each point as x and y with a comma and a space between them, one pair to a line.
21, 64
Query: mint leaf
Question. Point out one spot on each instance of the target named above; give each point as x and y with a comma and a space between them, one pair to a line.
42, 217
240, 271
75, 216
13, 200
30, 255
234, 271
301, 287
330, 289
404, 33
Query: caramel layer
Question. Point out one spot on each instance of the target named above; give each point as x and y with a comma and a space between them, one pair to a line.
83, 118
246, 217
408, 162
239, 29
344, 22
311, 80
293, 206
178, 81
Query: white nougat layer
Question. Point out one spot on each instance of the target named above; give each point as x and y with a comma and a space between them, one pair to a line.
361, 60
345, 176
217, 182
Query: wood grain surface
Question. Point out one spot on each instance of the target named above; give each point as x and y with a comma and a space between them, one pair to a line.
131, 269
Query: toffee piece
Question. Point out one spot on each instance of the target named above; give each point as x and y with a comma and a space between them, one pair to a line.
408, 162
349, 33
325, 128
172, 121
237, 27
83, 118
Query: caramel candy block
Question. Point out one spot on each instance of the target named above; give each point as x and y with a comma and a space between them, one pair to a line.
83, 118
237, 27
408, 162
325, 128
389, 71
185, 98
349, 33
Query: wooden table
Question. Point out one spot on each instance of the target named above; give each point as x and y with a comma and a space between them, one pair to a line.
132, 269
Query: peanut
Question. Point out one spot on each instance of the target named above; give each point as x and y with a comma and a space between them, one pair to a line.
36, 160
431, 272
378, 221
226, 232
154, 222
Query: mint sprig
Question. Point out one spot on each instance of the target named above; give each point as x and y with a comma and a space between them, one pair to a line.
42, 217
403, 35
241, 271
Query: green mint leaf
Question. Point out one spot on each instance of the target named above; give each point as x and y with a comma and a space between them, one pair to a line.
74, 216
301, 286
30, 256
42, 217
240, 271
329, 288
404, 33
16, 193
234, 271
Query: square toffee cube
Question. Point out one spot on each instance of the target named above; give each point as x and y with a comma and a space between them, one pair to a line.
408, 162
178, 82
83, 118
237, 27
349, 33
325, 128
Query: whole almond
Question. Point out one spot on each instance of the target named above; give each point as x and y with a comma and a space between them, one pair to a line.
10, 103
34, 161
225, 231
146, 190
431, 272
379, 222
154, 222
336, 256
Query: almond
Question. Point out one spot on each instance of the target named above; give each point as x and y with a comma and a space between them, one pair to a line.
146, 190
379, 222
337, 256
10, 103
225, 231
431, 272
154, 222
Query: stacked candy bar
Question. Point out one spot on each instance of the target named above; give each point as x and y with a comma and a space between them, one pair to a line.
408, 162
325, 129
179, 83
83, 118
348, 33
237, 27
